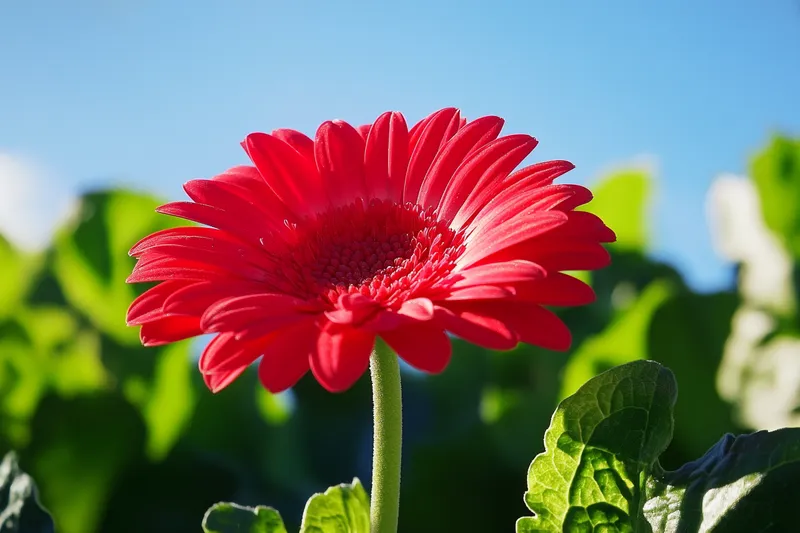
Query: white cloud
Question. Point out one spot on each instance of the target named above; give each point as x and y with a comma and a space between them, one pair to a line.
32, 202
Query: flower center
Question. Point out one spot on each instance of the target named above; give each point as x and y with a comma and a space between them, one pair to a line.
384, 250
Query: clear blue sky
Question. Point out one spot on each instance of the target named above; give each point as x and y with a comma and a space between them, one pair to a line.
154, 93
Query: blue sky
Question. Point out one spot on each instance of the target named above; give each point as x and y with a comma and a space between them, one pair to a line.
151, 93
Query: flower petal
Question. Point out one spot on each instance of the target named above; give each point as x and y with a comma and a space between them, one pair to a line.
517, 270
461, 320
432, 136
286, 357
301, 142
291, 176
225, 353
219, 380
386, 157
557, 289
169, 329
339, 153
533, 323
425, 347
341, 356
474, 135
149, 305
242, 312
485, 169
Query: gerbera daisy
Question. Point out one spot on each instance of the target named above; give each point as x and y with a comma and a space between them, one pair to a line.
322, 245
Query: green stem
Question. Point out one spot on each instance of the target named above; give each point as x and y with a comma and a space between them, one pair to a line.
387, 442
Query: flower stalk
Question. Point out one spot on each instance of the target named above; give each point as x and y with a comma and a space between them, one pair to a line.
387, 441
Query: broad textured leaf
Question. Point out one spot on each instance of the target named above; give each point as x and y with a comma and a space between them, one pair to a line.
233, 518
600, 470
20, 510
776, 173
631, 189
600, 442
340, 509
743, 484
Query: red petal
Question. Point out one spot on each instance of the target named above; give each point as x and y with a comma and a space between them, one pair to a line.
194, 299
417, 308
149, 305
556, 289
219, 380
242, 312
169, 329
525, 202
286, 357
432, 137
248, 203
539, 174
253, 230
499, 238
386, 157
291, 176
341, 356
462, 321
473, 136
299, 141
339, 152
225, 353
363, 131
532, 323
477, 292
486, 168
423, 346
500, 273
353, 309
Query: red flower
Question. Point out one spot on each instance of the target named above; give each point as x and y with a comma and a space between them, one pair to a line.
305, 257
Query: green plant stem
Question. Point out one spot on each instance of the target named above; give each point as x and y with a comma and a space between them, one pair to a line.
387, 441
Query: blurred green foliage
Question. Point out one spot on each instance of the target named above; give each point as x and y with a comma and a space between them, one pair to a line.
125, 439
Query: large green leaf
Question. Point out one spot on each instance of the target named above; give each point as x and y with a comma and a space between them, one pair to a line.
599, 442
600, 469
20, 510
620, 199
743, 484
91, 256
776, 173
233, 518
340, 509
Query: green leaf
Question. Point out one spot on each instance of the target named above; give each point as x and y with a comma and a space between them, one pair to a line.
233, 518
341, 509
599, 442
742, 484
776, 173
20, 510
631, 189
600, 470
